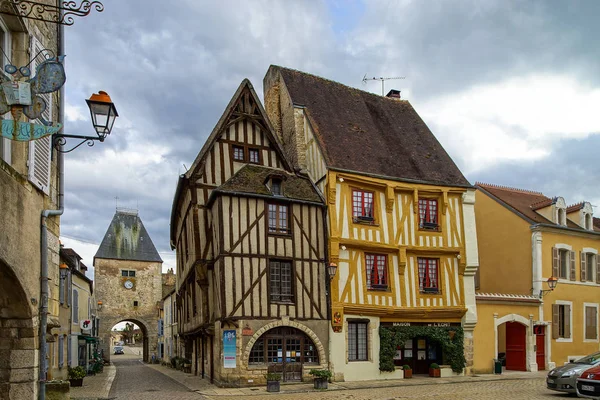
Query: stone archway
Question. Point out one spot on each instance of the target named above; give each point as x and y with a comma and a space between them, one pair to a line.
17, 334
280, 323
149, 336
515, 324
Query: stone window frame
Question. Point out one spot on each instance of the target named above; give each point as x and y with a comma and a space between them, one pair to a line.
369, 339
584, 322
570, 304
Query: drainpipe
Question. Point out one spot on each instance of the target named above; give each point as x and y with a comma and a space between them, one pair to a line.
44, 237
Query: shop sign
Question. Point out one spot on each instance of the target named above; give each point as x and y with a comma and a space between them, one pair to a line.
432, 324
247, 331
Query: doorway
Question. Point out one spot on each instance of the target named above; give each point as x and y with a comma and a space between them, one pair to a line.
540, 346
515, 346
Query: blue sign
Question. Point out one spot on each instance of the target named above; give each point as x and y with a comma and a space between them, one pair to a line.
229, 349
26, 131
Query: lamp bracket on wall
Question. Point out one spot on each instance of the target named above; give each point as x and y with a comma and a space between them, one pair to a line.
57, 14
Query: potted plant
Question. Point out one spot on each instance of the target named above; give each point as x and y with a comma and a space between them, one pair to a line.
76, 375
407, 371
321, 377
434, 370
273, 381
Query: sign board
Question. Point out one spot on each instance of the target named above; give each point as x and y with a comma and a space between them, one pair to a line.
432, 324
229, 349
85, 325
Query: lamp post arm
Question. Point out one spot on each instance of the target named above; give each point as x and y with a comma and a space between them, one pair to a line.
60, 140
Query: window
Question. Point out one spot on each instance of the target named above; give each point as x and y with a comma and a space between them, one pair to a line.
276, 186
126, 272
588, 222
428, 275
591, 323
278, 219
563, 271
135, 303
376, 265
362, 206
253, 155
280, 279
75, 308
562, 217
295, 344
61, 351
238, 153
561, 321
428, 214
357, 341
588, 270
5, 42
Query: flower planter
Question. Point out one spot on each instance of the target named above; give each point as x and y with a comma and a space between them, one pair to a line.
407, 373
320, 383
434, 372
273, 386
57, 390
76, 382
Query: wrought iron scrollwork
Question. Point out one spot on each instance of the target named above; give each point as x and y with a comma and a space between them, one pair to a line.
63, 14
60, 141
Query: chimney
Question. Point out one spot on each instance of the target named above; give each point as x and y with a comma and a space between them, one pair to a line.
395, 94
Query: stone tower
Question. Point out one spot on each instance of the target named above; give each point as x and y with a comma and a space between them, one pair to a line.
128, 278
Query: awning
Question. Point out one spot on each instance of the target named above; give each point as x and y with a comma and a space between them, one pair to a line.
88, 339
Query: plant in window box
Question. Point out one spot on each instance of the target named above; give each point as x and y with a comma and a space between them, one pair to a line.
76, 375
434, 370
407, 371
273, 381
430, 225
430, 290
364, 218
321, 377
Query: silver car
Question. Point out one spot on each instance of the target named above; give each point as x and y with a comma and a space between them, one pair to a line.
563, 379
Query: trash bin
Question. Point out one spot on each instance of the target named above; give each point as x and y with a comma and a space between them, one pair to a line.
497, 366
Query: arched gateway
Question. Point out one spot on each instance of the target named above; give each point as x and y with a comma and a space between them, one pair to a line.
128, 276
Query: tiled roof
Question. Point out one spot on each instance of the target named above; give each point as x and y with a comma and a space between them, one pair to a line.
575, 207
127, 239
251, 179
596, 224
364, 132
519, 199
523, 298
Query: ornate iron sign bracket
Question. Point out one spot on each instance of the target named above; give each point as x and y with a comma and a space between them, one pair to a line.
62, 14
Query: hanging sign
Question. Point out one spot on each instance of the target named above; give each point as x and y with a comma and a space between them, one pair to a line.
25, 131
229, 349
85, 325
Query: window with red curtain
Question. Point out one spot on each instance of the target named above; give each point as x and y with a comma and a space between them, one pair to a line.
362, 205
428, 275
428, 213
376, 265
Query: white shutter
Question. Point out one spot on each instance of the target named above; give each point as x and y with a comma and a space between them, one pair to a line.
40, 152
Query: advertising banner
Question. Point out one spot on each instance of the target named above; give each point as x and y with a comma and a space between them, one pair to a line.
229, 360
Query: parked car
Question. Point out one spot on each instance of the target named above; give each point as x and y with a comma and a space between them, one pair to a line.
564, 378
118, 350
588, 384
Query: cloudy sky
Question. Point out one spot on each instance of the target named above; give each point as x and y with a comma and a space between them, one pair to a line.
510, 88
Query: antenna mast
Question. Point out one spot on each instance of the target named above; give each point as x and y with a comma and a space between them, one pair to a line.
382, 79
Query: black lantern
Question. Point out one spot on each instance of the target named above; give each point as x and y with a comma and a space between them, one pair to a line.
331, 270
103, 112
552, 282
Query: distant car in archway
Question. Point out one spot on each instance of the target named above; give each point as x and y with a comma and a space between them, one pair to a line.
118, 350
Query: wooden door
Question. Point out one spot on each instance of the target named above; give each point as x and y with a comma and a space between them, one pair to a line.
515, 346
540, 342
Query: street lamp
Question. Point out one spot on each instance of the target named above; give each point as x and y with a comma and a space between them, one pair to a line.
103, 113
99, 305
552, 282
331, 270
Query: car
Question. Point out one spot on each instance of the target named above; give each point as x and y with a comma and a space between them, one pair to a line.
563, 379
118, 350
588, 384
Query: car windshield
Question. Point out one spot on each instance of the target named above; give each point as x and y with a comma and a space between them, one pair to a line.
589, 360
118, 348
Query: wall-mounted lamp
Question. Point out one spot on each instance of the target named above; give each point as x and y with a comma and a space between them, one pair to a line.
552, 282
331, 270
99, 305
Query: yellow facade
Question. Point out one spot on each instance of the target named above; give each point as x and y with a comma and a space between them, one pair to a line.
520, 248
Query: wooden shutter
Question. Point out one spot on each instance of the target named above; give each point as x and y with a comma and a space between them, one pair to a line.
572, 265
583, 266
61, 355
555, 262
597, 268
567, 321
555, 320
75, 307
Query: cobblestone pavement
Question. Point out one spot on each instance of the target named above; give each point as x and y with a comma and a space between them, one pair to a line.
136, 381
508, 389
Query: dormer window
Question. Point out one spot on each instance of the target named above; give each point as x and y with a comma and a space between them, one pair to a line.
562, 217
588, 222
276, 187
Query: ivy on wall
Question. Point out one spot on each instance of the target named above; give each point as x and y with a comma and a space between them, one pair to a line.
392, 337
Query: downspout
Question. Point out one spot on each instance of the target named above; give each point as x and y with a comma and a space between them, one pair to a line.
44, 238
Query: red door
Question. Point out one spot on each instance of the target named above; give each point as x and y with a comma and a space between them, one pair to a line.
515, 347
540, 342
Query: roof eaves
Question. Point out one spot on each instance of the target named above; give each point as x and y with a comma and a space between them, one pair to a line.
399, 179
505, 205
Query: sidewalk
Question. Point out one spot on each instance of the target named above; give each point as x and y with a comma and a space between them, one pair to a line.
203, 386
95, 386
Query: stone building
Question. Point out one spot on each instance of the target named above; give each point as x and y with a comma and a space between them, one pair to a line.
128, 276
29, 177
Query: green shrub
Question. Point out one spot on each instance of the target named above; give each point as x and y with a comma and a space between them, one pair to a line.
321, 373
434, 366
76, 372
406, 367
272, 376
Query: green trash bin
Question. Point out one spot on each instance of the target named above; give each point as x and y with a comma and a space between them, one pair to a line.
497, 366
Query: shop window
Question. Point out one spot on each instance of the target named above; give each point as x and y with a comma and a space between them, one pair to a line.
561, 321
428, 275
591, 322
284, 346
377, 277
279, 219
362, 206
127, 272
254, 156
238, 153
428, 214
357, 340
280, 279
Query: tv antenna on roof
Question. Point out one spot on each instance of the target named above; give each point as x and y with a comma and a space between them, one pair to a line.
382, 79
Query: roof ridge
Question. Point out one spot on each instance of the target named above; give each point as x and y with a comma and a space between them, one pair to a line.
339, 83
513, 189
576, 206
542, 203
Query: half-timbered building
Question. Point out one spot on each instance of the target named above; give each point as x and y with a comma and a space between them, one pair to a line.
251, 249
401, 224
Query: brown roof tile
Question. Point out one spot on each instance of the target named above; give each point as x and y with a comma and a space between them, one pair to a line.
575, 207
364, 132
519, 199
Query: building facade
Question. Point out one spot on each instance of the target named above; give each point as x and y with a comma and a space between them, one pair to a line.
128, 276
400, 222
28, 185
526, 241
250, 240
